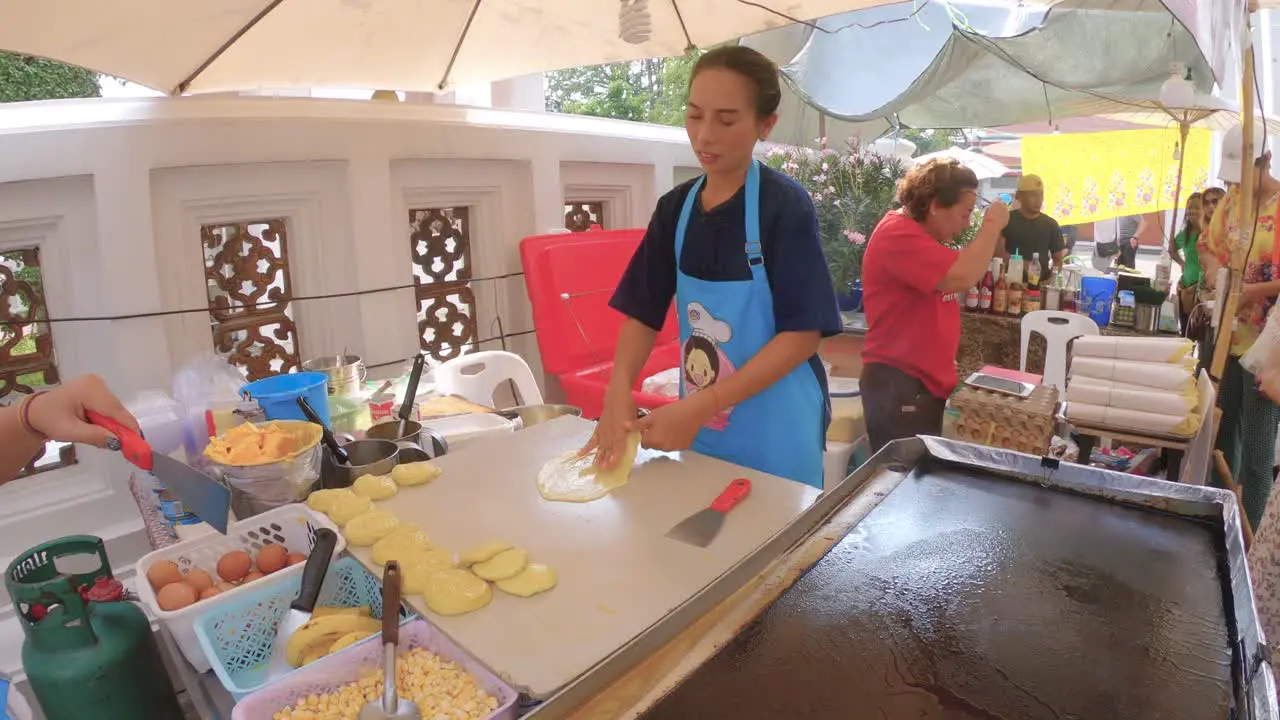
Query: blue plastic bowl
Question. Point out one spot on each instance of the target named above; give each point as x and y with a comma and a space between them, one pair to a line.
278, 395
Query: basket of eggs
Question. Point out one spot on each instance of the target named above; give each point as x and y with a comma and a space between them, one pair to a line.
183, 581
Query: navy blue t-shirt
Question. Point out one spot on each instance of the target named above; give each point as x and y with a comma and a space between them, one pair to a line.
715, 250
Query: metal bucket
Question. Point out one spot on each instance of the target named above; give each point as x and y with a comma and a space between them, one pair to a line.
1146, 318
368, 457
345, 373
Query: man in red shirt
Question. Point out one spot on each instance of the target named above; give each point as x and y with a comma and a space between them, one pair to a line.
912, 283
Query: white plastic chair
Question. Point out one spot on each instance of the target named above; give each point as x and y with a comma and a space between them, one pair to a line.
1059, 329
477, 375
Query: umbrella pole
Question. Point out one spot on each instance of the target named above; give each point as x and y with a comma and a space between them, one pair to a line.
1184, 129
1223, 335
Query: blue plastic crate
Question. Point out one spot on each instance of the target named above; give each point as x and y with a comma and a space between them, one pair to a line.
238, 637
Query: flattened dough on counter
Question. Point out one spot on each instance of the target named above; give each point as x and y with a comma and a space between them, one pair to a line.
415, 473
483, 551
375, 487
417, 567
506, 564
535, 578
574, 478
456, 591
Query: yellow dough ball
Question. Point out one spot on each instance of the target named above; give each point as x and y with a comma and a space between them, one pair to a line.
323, 500
346, 508
375, 487
405, 539
415, 473
368, 528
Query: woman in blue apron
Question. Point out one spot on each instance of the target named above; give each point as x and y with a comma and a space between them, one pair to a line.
752, 292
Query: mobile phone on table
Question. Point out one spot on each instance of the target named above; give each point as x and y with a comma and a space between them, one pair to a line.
1000, 385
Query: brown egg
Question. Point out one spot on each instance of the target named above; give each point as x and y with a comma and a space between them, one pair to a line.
210, 591
163, 573
224, 587
176, 596
294, 558
234, 565
271, 558
255, 575
199, 579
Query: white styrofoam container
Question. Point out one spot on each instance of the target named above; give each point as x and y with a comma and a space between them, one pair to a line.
457, 429
334, 671
293, 526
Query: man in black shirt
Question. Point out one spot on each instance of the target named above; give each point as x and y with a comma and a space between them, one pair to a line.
1030, 231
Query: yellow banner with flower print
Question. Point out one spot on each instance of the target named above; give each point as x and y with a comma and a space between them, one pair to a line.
1103, 175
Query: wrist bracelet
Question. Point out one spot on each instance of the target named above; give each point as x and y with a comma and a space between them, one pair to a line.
24, 414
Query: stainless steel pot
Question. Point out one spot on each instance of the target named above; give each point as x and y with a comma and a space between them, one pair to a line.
415, 435
368, 457
344, 372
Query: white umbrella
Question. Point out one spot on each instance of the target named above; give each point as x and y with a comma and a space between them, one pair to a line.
200, 46
981, 165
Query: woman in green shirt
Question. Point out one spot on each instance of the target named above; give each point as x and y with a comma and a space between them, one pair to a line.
1183, 251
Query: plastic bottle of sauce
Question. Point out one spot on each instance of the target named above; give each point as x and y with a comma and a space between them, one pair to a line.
999, 293
987, 290
1015, 299
1016, 270
1033, 271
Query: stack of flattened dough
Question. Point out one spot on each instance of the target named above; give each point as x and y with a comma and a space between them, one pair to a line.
450, 585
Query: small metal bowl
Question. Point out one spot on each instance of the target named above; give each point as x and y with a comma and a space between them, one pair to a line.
530, 415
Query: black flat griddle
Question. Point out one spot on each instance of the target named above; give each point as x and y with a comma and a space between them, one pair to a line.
970, 596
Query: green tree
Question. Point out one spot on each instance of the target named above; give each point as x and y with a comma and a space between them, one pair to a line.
651, 91
928, 141
29, 78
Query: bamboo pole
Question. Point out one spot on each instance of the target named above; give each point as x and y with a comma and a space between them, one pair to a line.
1240, 248
1184, 129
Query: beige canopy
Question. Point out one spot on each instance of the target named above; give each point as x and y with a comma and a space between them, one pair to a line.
201, 46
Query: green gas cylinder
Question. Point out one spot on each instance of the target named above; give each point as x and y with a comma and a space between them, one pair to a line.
89, 652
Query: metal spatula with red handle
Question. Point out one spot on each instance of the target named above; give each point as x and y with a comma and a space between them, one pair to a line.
201, 494
702, 527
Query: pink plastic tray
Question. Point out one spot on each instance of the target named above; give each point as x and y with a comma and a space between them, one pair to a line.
330, 673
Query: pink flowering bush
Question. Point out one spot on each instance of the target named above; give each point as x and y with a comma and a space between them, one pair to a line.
851, 190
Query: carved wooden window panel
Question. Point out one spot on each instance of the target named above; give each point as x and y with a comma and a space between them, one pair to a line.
246, 269
579, 216
27, 361
440, 240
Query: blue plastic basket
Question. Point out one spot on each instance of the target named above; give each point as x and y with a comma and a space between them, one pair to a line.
238, 637
278, 395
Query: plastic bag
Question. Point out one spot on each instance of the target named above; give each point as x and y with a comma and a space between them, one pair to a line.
258, 488
200, 383
666, 383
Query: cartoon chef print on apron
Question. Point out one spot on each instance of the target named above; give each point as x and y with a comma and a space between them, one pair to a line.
723, 324
704, 362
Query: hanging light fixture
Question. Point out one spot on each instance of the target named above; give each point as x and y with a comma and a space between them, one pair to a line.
1177, 92
635, 25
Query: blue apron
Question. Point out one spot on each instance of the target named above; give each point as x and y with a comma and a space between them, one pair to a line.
722, 326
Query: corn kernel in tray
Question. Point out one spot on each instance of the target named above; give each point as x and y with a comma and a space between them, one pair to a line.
441, 688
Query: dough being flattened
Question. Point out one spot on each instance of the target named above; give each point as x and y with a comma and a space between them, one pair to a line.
534, 579
405, 539
456, 591
417, 568
483, 551
346, 508
575, 478
505, 564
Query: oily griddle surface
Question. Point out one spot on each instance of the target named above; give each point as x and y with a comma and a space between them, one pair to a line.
968, 596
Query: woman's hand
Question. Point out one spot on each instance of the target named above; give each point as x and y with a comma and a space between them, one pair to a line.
673, 427
59, 414
617, 420
996, 215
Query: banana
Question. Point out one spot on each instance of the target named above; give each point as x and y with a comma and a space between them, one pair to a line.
360, 611
314, 653
347, 640
330, 627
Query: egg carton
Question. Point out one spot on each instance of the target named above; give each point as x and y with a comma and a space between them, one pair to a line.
293, 526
